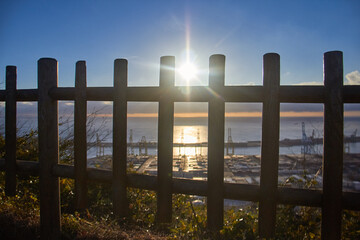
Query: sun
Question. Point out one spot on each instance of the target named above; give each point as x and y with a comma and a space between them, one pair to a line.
188, 71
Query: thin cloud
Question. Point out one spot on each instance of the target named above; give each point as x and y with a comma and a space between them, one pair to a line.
353, 78
309, 83
27, 103
287, 74
250, 84
146, 115
301, 114
352, 113
243, 114
191, 115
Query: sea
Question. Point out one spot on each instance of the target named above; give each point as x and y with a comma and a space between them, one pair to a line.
194, 130
246, 129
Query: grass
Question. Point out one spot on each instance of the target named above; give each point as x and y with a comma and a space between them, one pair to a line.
20, 219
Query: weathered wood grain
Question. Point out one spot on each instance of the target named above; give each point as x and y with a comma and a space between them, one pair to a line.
80, 140
333, 146
120, 201
269, 145
48, 150
215, 200
10, 131
165, 140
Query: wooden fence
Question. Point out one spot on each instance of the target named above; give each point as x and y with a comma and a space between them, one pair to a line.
333, 95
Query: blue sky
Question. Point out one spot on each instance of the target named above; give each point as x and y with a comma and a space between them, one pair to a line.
143, 31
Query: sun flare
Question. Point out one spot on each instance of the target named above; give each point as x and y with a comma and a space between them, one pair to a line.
188, 71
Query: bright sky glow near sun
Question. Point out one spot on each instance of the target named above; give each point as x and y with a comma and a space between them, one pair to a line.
143, 31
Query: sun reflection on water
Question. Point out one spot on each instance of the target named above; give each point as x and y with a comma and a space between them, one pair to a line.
188, 135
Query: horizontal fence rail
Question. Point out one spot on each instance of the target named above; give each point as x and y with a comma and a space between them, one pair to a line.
248, 94
331, 199
234, 191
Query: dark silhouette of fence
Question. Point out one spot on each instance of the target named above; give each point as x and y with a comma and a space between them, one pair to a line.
333, 95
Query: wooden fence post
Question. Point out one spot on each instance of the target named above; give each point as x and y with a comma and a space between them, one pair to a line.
165, 140
48, 150
120, 201
80, 140
215, 197
333, 146
269, 146
10, 131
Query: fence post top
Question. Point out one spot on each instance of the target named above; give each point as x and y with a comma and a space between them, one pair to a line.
120, 60
333, 53
168, 61
47, 60
81, 62
162, 57
10, 67
218, 56
271, 54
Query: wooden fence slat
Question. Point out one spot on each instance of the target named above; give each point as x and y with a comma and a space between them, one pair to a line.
48, 150
10, 131
80, 148
215, 200
120, 201
333, 146
269, 145
165, 140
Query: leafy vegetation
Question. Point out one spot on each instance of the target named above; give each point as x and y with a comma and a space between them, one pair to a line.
19, 215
